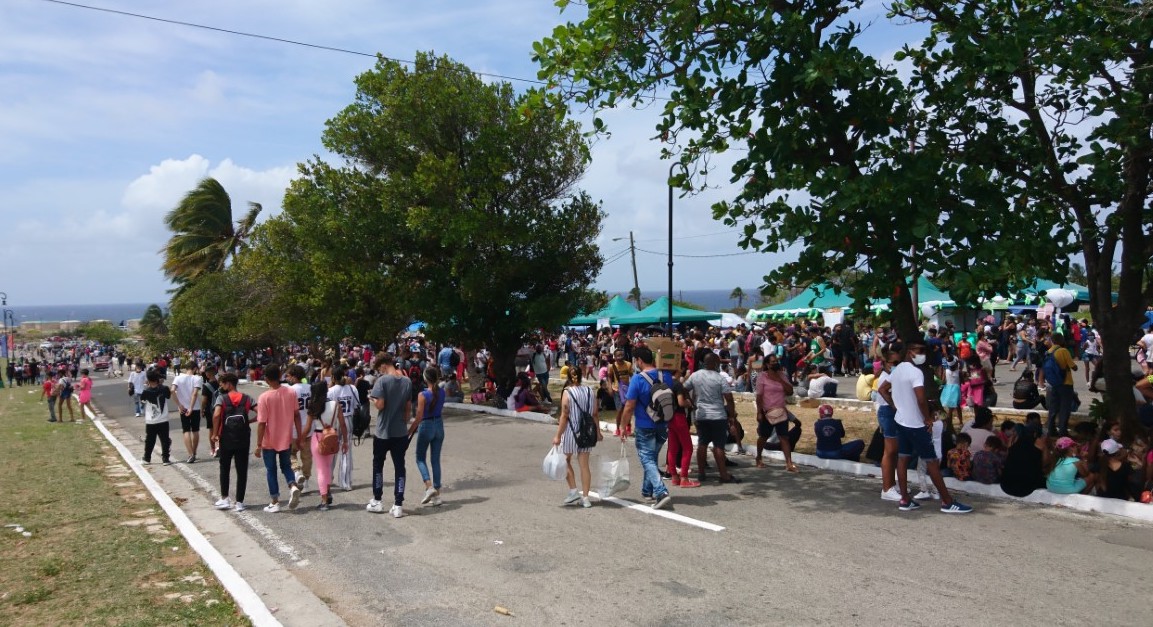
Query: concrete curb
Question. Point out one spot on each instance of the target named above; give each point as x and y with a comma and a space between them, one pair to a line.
1080, 502
240, 590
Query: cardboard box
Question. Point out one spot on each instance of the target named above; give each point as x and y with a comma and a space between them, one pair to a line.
667, 353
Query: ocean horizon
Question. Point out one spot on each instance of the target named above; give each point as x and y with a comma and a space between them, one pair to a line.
711, 300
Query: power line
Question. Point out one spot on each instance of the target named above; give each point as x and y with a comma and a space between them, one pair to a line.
665, 239
652, 252
271, 38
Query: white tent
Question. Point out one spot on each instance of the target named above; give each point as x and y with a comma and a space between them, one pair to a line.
728, 321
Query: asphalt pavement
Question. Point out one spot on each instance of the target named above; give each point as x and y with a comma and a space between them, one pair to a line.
811, 548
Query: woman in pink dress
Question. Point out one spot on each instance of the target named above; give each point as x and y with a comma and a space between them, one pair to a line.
84, 393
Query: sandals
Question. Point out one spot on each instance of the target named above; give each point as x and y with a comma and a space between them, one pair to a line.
760, 464
792, 468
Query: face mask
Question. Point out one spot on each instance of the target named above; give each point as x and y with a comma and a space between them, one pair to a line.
918, 360
774, 366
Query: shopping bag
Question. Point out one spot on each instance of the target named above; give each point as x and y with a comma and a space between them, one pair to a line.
614, 475
554, 465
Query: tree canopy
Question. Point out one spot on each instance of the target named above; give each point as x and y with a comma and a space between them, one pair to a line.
204, 237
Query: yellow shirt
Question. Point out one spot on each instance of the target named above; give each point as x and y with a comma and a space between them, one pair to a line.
865, 387
1065, 360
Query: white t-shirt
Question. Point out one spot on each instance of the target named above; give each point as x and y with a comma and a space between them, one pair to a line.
817, 386
878, 400
347, 396
1147, 342
904, 379
187, 388
303, 395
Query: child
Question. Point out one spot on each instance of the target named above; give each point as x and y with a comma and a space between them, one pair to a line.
1007, 429
1070, 475
154, 398
928, 491
951, 391
961, 458
988, 463
974, 388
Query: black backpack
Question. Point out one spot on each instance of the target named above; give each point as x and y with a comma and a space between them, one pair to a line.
235, 428
454, 360
662, 404
361, 418
586, 433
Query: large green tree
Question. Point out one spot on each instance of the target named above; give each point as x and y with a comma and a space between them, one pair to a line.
455, 204
1053, 102
839, 159
204, 237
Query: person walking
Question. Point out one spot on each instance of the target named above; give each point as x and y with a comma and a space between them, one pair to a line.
392, 397
344, 392
154, 399
49, 391
65, 397
429, 428
770, 391
323, 413
650, 436
186, 388
231, 435
276, 416
84, 394
301, 447
208, 394
714, 403
1058, 369
137, 381
576, 400
905, 390
541, 364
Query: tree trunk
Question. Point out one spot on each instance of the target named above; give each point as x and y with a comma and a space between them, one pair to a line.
904, 318
504, 369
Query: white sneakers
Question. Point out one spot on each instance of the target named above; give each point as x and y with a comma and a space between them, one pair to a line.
396, 511
303, 483
573, 497
223, 503
925, 495
585, 502
240, 507
293, 497
374, 506
892, 494
428, 494
272, 508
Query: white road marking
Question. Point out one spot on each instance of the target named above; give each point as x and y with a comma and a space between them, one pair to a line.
659, 512
273, 538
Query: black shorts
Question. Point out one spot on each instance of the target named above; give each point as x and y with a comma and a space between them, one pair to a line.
765, 429
191, 422
715, 432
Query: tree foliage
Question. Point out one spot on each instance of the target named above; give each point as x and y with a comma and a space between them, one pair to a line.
103, 332
1053, 103
204, 237
455, 204
841, 158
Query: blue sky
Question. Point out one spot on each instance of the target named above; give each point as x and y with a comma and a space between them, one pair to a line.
106, 121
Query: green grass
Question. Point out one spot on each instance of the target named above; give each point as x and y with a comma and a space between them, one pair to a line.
81, 565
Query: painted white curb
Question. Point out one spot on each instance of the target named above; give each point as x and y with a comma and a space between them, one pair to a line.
507, 413
247, 598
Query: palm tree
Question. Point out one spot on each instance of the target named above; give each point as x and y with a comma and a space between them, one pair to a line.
1077, 274
154, 321
635, 296
204, 238
738, 295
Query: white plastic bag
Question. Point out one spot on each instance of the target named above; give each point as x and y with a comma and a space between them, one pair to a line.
614, 475
554, 465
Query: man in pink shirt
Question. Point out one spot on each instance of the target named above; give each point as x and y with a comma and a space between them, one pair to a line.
276, 415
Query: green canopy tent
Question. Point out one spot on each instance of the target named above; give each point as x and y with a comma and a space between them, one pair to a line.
658, 313
814, 297
616, 308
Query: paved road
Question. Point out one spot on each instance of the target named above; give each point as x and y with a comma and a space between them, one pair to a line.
814, 548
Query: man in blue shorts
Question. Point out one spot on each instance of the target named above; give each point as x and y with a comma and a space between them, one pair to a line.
905, 390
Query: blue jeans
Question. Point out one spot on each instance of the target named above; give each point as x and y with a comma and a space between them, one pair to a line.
850, 450
271, 458
430, 432
649, 443
51, 409
1059, 402
139, 405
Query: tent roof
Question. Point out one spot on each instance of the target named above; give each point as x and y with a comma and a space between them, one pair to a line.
814, 297
616, 308
1081, 292
659, 312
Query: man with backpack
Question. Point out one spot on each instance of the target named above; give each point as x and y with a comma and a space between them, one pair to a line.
232, 435
1058, 367
652, 428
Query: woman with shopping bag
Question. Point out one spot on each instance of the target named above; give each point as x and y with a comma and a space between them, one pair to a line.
575, 434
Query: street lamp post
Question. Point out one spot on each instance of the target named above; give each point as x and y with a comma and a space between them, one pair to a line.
670, 183
9, 324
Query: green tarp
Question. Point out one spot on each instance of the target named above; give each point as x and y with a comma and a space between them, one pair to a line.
658, 313
616, 308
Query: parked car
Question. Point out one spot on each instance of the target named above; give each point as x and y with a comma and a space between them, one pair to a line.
101, 362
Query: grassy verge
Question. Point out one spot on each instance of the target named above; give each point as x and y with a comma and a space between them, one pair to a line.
99, 550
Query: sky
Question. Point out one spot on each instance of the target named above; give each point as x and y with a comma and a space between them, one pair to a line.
106, 121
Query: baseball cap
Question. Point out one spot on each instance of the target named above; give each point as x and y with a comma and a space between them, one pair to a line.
825, 411
1110, 446
1067, 442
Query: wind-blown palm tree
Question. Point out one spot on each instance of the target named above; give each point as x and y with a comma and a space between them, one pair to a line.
738, 295
204, 238
154, 321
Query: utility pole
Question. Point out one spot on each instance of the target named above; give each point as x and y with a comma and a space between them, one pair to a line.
636, 282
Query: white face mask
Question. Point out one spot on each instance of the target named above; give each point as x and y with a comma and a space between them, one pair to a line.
918, 360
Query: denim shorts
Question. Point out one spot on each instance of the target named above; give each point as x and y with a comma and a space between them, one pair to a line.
915, 441
887, 421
